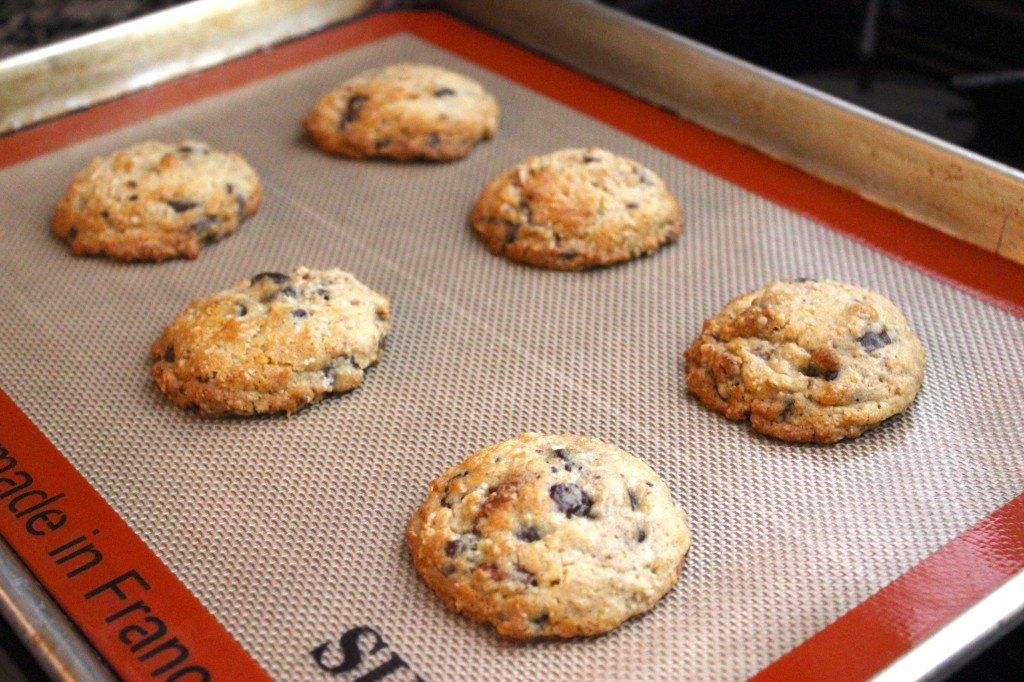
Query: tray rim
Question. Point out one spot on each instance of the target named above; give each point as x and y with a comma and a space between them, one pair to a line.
53, 80
43, 627
939, 184
946, 187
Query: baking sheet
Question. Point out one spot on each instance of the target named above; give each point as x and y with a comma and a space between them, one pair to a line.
290, 531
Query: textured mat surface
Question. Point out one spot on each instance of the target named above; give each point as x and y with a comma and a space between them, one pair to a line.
291, 530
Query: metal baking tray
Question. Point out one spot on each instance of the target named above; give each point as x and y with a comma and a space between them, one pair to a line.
939, 184
936, 184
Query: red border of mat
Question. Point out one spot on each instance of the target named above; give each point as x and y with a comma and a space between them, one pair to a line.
59, 559
889, 622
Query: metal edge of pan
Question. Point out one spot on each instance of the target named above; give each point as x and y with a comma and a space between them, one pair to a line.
949, 188
57, 646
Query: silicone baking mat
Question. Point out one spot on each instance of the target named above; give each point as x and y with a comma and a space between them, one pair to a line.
290, 530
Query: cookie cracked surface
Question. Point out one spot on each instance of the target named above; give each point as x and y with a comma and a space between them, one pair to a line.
812, 361
404, 112
274, 343
155, 201
575, 209
549, 536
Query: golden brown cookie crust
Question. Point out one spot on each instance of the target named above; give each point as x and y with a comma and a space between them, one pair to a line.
404, 112
549, 536
811, 361
155, 201
274, 343
575, 209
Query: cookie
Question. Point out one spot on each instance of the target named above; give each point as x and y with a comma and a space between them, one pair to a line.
575, 209
805, 360
274, 343
154, 201
404, 112
549, 536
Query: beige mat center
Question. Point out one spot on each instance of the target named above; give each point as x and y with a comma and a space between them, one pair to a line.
291, 530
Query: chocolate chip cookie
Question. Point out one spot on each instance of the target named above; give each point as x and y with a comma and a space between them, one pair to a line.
154, 201
274, 343
814, 361
575, 209
404, 112
549, 536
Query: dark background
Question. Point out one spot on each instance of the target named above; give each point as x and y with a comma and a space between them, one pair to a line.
951, 68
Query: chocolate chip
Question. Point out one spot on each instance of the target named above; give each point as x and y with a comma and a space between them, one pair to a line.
300, 312
355, 103
73, 234
787, 411
528, 534
133, 197
522, 576
324, 293
242, 310
185, 149
229, 187
445, 502
815, 371
202, 224
541, 620
275, 277
289, 291
105, 215
511, 231
641, 534
461, 545
444, 92
563, 455
433, 140
569, 254
180, 205
381, 143
634, 501
590, 158
873, 341
329, 374
803, 280
132, 184
571, 499
169, 354
633, 204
